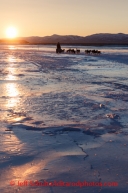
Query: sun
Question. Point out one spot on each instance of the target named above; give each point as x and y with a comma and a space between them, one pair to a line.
11, 32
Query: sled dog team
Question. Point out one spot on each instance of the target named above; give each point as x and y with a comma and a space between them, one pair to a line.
72, 51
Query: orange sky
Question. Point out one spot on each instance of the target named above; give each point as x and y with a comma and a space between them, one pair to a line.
67, 17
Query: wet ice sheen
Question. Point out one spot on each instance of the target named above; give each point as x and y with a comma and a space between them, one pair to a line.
60, 89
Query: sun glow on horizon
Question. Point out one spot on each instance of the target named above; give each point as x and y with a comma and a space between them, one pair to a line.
11, 32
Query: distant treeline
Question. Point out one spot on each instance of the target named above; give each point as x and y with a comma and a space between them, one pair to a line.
7, 41
24, 42
83, 44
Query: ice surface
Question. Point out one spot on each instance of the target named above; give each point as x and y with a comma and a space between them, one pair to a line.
57, 111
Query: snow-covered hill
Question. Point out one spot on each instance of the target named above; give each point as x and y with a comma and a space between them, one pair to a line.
95, 38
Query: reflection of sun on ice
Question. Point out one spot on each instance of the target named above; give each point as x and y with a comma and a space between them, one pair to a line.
12, 92
11, 32
11, 59
11, 70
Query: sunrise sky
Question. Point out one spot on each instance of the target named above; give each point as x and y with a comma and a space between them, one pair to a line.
63, 17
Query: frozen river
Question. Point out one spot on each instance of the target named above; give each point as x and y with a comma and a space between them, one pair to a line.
48, 100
